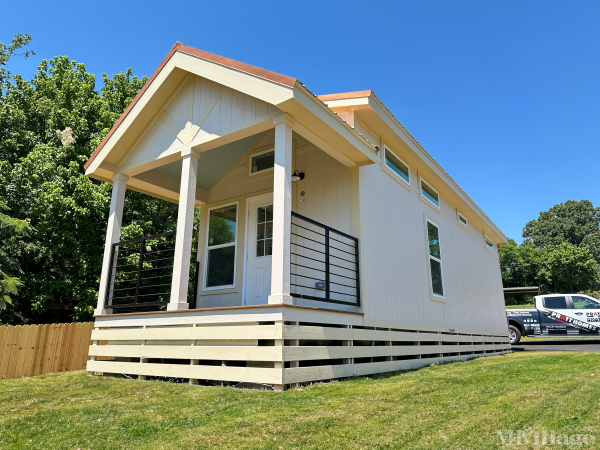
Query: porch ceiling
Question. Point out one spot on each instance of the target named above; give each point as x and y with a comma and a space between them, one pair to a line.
213, 164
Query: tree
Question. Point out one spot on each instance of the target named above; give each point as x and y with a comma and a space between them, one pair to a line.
42, 178
559, 268
575, 222
9, 283
569, 268
9, 50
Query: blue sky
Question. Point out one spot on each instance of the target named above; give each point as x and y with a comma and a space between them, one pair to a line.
504, 94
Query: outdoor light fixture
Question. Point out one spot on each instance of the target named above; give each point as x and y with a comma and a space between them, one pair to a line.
297, 176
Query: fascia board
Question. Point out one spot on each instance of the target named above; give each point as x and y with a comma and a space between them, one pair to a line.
133, 114
252, 85
428, 159
331, 119
347, 102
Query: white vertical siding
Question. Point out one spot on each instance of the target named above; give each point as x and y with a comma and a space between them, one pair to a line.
217, 300
232, 109
326, 188
155, 140
367, 133
396, 261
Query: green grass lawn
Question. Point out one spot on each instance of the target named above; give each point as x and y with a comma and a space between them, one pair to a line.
453, 406
520, 306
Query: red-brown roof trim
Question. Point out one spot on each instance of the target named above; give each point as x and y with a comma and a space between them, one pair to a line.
344, 95
253, 70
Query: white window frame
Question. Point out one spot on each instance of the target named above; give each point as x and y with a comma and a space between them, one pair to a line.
485, 242
390, 171
458, 216
434, 296
234, 244
254, 155
421, 181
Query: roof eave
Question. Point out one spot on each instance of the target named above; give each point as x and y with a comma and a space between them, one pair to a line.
369, 99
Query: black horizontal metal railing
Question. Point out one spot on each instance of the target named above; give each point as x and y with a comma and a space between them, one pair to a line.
324, 265
141, 272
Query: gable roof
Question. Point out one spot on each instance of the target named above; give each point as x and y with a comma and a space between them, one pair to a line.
243, 67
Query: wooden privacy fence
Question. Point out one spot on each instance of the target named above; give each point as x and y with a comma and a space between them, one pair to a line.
30, 350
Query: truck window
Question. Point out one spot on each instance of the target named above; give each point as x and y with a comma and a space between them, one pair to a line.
584, 303
555, 302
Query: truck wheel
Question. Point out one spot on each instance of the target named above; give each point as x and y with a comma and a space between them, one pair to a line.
514, 334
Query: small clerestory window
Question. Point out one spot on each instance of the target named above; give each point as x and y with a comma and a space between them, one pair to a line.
396, 165
430, 194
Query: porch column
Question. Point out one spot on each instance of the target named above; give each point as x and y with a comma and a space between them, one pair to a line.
113, 235
185, 225
282, 211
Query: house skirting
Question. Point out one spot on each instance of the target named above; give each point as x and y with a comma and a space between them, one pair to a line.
274, 346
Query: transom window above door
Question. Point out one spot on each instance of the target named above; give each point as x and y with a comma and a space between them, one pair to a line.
263, 161
264, 231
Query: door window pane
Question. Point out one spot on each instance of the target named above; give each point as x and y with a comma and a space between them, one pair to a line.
555, 302
436, 277
434, 240
220, 270
584, 303
263, 161
264, 231
221, 228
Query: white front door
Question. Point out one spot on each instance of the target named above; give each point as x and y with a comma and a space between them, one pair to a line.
260, 247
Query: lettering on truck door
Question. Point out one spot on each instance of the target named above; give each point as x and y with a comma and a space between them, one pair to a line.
586, 315
555, 316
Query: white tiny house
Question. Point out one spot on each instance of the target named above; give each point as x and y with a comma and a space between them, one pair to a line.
330, 244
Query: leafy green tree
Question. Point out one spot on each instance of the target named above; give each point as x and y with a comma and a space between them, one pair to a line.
575, 222
9, 50
569, 268
559, 268
42, 178
9, 283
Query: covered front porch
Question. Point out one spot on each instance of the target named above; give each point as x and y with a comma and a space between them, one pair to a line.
265, 236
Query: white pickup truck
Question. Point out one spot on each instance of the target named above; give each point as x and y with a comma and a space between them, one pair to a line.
556, 315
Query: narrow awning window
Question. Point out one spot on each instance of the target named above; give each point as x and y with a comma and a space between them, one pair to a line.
430, 194
394, 163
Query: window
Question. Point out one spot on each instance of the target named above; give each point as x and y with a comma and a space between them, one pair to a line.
262, 161
489, 244
584, 303
430, 194
220, 249
435, 259
264, 231
394, 163
555, 302
462, 219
